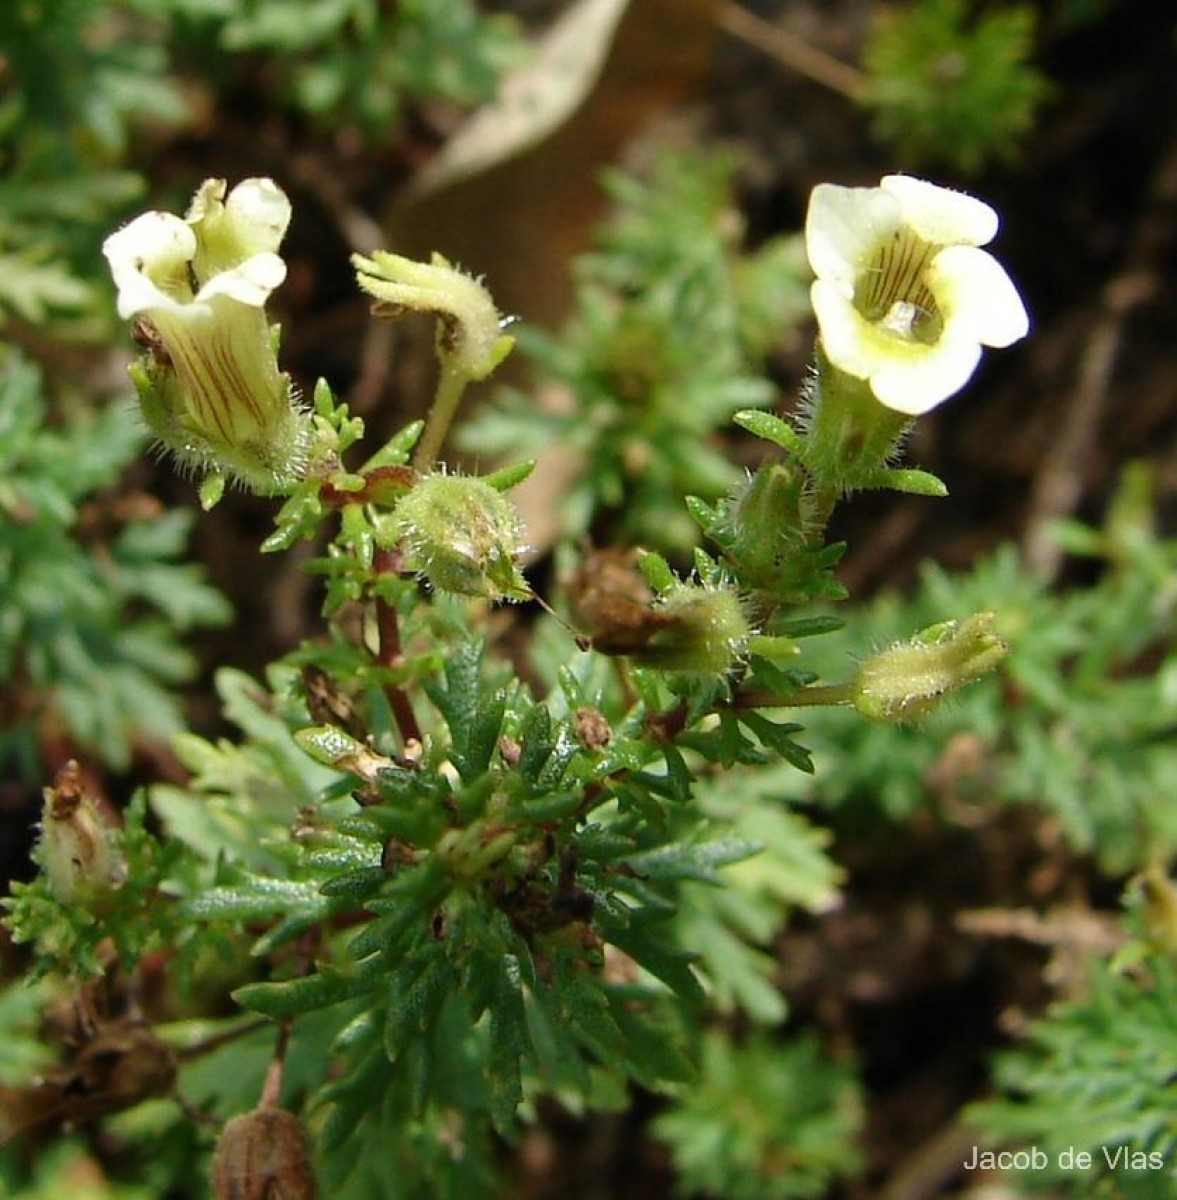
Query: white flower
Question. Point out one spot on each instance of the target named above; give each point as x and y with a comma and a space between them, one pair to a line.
198, 287
904, 297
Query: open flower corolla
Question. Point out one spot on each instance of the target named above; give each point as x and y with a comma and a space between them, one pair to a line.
904, 296
210, 385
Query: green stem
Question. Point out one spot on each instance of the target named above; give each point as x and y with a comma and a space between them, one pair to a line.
451, 385
850, 435
818, 696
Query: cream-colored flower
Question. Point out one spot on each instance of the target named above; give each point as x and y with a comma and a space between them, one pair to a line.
904, 297
197, 287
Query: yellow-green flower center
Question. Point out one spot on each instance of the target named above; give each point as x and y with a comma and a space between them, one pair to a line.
892, 293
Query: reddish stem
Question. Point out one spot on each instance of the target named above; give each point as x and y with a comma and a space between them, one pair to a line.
389, 651
272, 1087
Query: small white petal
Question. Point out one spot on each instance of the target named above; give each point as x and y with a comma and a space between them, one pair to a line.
916, 386
137, 294
149, 262
250, 282
978, 298
843, 229
942, 216
151, 237
844, 333
260, 213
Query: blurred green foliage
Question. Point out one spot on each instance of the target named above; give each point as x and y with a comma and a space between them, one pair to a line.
951, 86
673, 324
359, 61
95, 605
765, 1120
73, 85
1096, 1074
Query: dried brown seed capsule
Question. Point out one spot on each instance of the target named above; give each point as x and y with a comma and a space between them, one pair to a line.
263, 1155
592, 728
120, 1064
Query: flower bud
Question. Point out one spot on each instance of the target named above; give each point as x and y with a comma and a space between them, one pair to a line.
767, 520
263, 1155
78, 850
463, 536
906, 681
703, 630
470, 339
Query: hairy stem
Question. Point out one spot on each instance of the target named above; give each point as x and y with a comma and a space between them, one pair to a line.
818, 696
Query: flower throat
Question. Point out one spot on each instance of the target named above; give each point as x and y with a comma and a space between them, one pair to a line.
892, 291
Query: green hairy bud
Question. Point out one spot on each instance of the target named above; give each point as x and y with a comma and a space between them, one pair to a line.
463, 536
702, 629
907, 681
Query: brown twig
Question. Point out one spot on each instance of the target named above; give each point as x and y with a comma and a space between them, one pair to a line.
924, 1173
1087, 932
359, 230
791, 51
191, 1053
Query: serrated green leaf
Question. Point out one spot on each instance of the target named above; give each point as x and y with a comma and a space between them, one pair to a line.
599, 843
690, 861
553, 806
654, 1052
329, 985
416, 990
909, 480
356, 885
253, 901
510, 1043
585, 1008
472, 712
656, 571
286, 930
678, 774
511, 476
803, 627
770, 428
704, 515
779, 738
536, 744
645, 943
